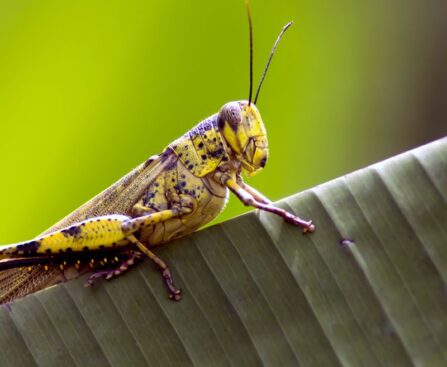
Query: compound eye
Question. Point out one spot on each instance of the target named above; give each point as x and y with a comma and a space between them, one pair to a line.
230, 113
234, 115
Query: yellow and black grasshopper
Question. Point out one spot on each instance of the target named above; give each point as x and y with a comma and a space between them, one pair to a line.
167, 197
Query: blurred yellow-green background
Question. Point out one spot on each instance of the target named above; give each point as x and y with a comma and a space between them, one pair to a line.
89, 89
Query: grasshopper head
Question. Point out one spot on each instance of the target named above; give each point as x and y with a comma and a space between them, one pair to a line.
242, 128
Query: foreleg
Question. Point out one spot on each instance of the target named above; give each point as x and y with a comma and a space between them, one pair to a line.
253, 192
251, 197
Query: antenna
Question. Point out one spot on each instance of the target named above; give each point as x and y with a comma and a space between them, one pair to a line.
247, 5
269, 60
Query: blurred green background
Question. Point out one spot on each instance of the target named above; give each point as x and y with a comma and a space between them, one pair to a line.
89, 89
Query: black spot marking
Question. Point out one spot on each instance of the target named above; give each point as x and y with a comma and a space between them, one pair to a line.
200, 145
148, 162
187, 161
217, 153
191, 166
73, 231
183, 176
203, 157
183, 184
165, 155
31, 246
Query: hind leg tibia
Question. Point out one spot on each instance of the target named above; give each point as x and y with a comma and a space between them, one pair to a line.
174, 293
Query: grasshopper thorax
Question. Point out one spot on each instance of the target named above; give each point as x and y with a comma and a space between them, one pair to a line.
241, 126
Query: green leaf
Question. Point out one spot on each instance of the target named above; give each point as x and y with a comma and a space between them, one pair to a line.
367, 288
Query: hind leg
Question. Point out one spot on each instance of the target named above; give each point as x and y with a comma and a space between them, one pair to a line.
174, 293
185, 205
132, 257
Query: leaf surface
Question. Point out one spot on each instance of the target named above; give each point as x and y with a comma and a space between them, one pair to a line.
367, 288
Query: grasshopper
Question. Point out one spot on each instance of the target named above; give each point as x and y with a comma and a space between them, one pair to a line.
167, 197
